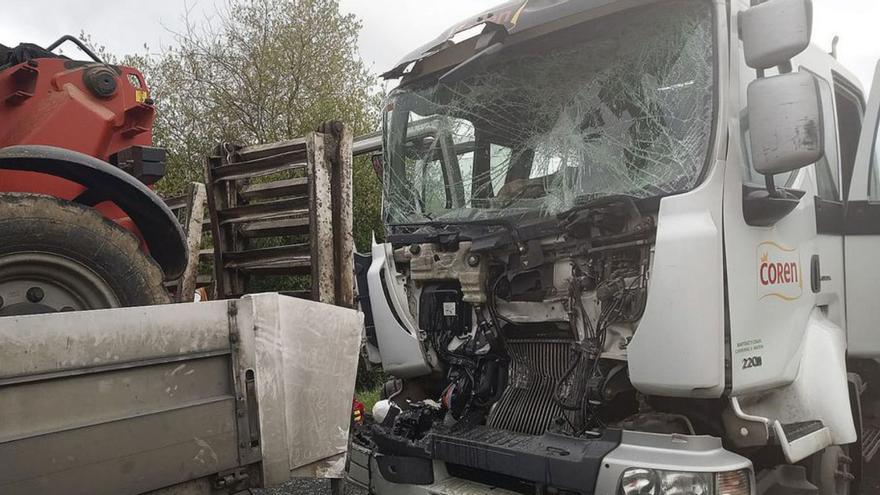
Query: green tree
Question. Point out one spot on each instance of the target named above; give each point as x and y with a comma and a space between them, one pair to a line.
260, 71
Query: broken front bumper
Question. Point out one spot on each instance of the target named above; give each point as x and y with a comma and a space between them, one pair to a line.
466, 466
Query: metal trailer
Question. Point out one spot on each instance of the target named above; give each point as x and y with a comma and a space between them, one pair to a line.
201, 398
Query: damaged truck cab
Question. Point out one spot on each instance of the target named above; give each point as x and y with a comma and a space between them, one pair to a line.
620, 239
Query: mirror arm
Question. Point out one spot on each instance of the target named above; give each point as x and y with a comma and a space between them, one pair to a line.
771, 186
760, 209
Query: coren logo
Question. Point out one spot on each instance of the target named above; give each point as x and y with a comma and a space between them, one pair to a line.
779, 272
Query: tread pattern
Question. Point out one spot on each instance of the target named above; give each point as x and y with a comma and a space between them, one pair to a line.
39, 223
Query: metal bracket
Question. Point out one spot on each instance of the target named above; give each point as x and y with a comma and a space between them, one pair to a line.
232, 480
244, 383
743, 429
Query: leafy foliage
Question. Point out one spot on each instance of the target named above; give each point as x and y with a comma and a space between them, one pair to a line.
367, 205
261, 71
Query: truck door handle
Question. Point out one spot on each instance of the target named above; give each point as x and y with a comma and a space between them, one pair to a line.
816, 274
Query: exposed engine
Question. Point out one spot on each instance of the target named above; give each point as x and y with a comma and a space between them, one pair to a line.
529, 326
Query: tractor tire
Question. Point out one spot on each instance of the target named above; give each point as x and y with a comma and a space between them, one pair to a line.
61, 256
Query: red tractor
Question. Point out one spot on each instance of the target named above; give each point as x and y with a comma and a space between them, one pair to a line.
80, 227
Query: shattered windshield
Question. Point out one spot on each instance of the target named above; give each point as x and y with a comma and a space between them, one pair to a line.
622, 105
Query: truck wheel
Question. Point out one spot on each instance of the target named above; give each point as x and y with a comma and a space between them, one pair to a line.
61, 256
832, 471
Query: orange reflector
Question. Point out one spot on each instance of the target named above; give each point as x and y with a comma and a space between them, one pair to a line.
733, 483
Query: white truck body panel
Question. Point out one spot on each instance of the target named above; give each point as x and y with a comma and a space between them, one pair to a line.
684, 316
396, 332
684, 313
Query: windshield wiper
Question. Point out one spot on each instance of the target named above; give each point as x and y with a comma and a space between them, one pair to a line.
509, 226
587, 203
581, 213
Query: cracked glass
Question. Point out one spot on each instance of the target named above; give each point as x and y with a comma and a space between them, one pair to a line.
619, 106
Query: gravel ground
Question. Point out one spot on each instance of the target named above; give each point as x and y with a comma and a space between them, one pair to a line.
309, 487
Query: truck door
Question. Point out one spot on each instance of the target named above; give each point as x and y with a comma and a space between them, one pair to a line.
827, 262
771, 297
862, 243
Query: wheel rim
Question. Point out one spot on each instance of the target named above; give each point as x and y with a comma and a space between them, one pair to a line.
37, 283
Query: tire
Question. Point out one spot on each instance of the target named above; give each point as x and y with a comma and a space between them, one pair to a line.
830, 471
61, 256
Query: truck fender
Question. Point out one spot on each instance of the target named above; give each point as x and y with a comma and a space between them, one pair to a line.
821, 390
159, 227
397, 334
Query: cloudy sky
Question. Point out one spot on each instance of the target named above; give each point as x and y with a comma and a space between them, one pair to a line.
391, 29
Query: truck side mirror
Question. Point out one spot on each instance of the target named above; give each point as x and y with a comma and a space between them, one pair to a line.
784, 111
785, 123
775, 31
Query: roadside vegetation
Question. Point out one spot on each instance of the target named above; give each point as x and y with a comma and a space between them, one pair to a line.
262, 71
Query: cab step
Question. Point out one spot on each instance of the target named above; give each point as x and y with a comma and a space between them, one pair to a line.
801, 440
796, 431
870, 443
457, 486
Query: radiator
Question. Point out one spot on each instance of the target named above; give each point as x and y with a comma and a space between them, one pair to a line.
527, 404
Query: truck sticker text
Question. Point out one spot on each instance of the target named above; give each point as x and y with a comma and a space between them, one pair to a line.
753, 362
779, 272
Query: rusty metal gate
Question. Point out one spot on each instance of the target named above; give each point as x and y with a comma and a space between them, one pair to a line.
284, 209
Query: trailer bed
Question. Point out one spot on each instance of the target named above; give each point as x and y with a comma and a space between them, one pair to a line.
204, 397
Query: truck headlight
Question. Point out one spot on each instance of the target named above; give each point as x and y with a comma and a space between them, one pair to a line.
641, 481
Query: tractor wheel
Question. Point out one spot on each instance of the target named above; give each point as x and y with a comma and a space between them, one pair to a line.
61, 256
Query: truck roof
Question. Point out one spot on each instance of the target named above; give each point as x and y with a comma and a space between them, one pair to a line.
514, 16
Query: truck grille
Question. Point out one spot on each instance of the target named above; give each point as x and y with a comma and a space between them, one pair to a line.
527, 404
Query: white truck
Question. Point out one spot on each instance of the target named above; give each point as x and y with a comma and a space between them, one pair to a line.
631, 251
